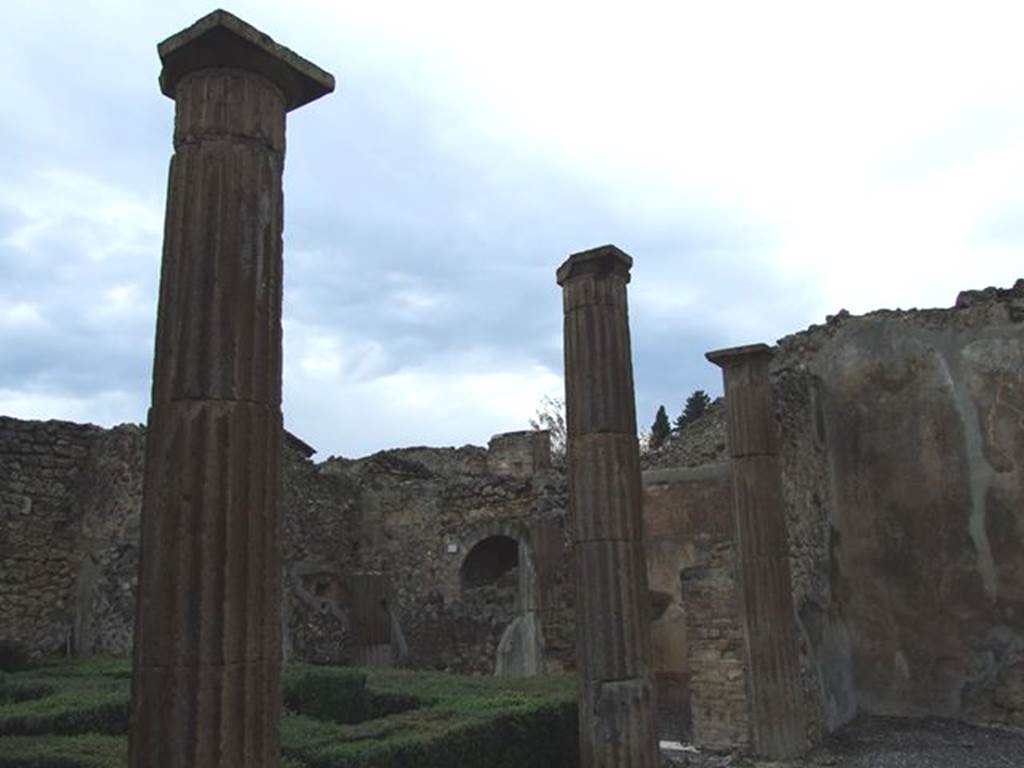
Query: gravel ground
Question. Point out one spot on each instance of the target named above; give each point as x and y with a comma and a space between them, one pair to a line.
882, 742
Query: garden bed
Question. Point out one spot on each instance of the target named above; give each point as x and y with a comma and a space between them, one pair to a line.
74, 714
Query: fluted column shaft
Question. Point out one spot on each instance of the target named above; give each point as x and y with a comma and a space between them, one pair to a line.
208, 626
777, 714
616, 692
207, 655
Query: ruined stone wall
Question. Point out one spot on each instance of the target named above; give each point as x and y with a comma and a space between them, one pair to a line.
698, 659
107, 503
902, 447
519, 454
922, 415
417, 524
700, 442
825, 658
318, 547
719, 703
398, 524
41, 464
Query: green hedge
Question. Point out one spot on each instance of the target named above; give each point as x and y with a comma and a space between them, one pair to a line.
460, 721
40, 701
540, 736
338, 695
341, 695
75, 715
90, 750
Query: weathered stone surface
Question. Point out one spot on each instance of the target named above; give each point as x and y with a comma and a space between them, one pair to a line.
340, 519
921, 411
895, 571
519, 454
616, 693
826, 664
221, 39
719, 703
603, 469
598, 361
685, 509
778, 722
219, 325
702, 441
41, 464
751, 428
619, 737
207, 655
611, 582
107, 501
210, 566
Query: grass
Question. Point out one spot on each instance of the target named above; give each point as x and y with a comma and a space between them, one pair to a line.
74, 714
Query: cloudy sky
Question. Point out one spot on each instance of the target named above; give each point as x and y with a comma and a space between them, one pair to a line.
764, 163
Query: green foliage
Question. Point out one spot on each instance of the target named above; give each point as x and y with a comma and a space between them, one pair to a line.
14, 656
661, 429
89, 750
694, 408
77, 717
340, 695
332, 694
551, 416
14, 691
459, 720
93, 667
539, 736
385, 704
68, 710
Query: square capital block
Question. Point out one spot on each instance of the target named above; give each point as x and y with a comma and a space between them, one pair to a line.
600, 262
734, 357
222, 40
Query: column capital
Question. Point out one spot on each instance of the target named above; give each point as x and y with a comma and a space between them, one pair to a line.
730, 357
601, 262
221, 39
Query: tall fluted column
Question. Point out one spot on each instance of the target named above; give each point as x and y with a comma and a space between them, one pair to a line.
616, 692
777, 715
207, 655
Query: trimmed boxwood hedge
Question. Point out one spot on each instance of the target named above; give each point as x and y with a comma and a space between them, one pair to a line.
74, 714
461, 720
340, 695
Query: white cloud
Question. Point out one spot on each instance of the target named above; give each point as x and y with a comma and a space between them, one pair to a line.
459, 399
20, 316
103, 221
774, 162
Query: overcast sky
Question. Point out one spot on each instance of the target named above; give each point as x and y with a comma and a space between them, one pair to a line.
765, 164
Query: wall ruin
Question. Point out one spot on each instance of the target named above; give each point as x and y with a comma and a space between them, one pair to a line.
913, 588
373, 550
902, 443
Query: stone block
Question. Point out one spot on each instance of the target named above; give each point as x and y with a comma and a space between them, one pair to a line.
604, 483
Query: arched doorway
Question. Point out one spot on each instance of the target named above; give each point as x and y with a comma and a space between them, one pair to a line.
498, 585
492, 560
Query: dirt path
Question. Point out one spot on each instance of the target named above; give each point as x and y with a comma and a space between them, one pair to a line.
880, 742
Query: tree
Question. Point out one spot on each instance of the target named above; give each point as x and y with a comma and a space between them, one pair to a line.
661, 428
695, 406
551, 416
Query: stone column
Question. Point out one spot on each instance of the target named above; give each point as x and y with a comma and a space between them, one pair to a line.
777, 715
207, 656
616, 692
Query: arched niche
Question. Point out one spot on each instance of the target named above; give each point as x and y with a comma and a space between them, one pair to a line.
489, 560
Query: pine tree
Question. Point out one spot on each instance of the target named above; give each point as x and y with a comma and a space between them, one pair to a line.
695, 406
661, 428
